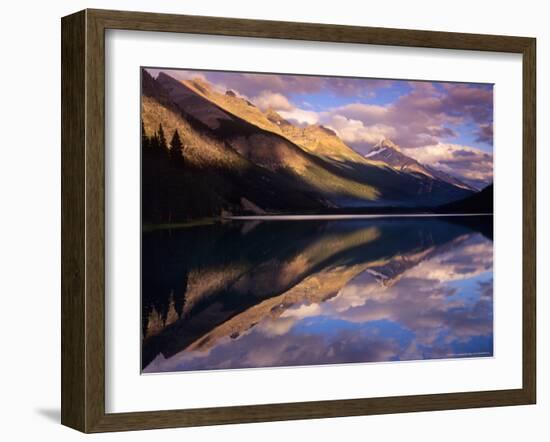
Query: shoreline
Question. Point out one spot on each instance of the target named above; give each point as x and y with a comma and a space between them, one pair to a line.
343, 216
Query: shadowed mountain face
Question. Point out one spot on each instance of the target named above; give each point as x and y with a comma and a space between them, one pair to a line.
235, 157
298, 293
481, 202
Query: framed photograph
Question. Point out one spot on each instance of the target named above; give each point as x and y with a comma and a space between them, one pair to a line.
274, 220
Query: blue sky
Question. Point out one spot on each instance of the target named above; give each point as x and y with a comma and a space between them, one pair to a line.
465, 133
324, 99
445, 125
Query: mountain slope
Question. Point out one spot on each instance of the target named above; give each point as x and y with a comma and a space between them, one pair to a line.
238, 158
481, 202
232, 103
314, 139
211, 177
325, 144
265, 148
337, 160
388, 152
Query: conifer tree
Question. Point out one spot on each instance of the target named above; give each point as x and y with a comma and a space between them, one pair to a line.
162, 138
176, 147
154, 142
145, 143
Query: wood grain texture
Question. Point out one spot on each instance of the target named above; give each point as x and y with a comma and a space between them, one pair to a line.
144, 21
73, 255
529, 220
95, 221
83, 220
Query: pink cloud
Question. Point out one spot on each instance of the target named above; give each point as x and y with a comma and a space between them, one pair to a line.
470, 164
420, 121
425, 115
254, 84
485, 133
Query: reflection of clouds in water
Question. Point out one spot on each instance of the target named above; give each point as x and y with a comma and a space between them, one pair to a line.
439, 306
473, 257
255, 349
428, 299
303, 311
276, 327
281, 325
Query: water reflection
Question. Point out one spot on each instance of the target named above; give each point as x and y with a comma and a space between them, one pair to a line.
264, 294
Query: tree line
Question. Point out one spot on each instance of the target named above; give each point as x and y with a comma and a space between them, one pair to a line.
157, 142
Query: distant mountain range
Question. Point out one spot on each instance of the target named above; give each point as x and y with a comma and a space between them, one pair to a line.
391, 154
240, 159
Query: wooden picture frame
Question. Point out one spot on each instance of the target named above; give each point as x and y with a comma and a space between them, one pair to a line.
83, 220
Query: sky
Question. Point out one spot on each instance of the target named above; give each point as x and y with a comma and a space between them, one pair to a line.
445, 125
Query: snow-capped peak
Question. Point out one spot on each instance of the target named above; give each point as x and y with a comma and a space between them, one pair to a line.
375, 152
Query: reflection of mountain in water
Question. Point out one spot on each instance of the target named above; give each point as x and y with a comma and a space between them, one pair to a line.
207, 284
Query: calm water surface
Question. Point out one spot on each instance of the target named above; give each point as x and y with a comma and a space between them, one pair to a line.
285, 293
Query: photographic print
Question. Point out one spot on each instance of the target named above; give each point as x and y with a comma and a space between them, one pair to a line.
300, 220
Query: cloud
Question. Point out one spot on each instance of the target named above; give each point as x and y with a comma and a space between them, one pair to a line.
425, 119
363, 112
178, 74
252, 85
272, 100
466, 162
422, 116
485, 133
355, 133
278, 102
300, 116
425, 115
351, 87
471, 100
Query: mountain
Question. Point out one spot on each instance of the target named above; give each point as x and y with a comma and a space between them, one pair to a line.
238, 158
211, 177
391, 154
481, 202
315, 139
265, 148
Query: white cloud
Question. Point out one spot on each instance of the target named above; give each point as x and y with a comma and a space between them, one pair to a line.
355, 132
463, 161
300, 116
272, 100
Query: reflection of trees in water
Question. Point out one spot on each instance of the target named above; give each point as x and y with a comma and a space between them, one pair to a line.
158, 314
196, 279
164, 283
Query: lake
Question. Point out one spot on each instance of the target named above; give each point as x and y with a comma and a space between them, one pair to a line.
255, 293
